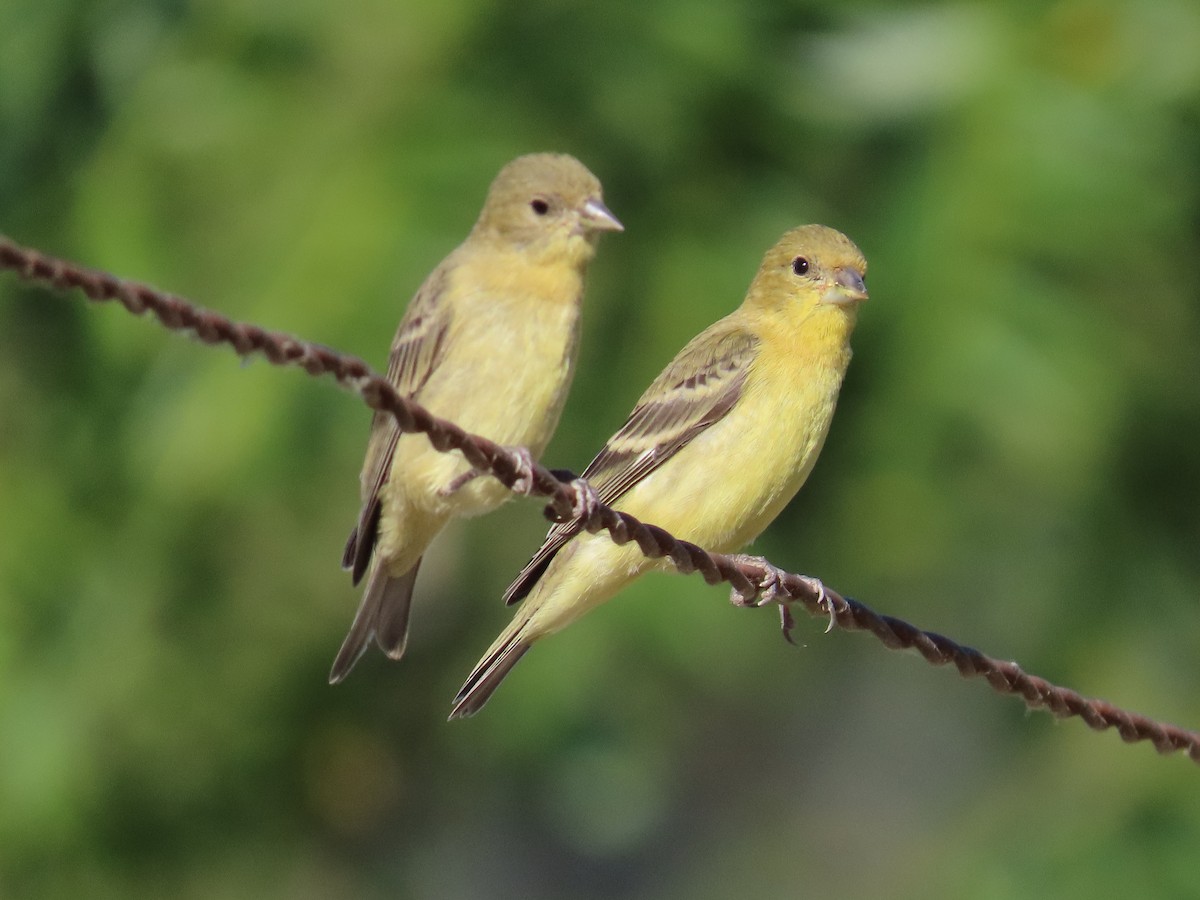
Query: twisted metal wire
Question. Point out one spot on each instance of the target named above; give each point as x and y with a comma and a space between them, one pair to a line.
569, 499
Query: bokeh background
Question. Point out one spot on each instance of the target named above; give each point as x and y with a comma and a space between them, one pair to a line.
1015, 461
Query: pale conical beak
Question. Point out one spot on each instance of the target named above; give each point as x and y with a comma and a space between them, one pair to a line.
848, 287
597, 216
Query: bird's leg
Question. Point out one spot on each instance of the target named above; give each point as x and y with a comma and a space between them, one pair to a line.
458, 483
522, 485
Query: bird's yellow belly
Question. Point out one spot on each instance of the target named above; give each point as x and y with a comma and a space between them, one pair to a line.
486, 394
709, 496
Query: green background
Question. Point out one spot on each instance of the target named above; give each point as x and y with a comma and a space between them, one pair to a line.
1014, 462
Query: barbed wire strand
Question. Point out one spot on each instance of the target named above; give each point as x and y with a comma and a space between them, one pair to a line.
569, 499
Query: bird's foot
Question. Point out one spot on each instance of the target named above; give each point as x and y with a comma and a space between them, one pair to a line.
769, 589
523, 462
584, 501
765, 590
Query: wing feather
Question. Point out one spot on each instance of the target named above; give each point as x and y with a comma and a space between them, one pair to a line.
697, 389
416, 351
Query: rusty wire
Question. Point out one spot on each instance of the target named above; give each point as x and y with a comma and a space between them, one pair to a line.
565, 498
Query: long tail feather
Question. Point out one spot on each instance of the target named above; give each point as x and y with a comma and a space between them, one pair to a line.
391, 623
382, 614
490, 671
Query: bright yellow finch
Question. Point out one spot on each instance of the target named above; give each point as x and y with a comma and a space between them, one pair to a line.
714, 449
488, 341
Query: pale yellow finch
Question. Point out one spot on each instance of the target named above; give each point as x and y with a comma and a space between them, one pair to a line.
489, 341
715, 448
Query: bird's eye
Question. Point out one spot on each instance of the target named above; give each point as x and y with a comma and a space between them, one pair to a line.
799, 265
539, 206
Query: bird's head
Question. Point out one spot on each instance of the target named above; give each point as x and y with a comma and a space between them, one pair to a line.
811, 268
548, 204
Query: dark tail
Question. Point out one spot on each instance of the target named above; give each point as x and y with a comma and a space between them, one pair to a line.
490, 671
382, 614
361, 544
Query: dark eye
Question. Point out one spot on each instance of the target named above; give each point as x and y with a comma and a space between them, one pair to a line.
799, 265
539, 206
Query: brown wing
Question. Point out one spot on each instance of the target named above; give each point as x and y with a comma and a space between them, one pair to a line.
416, 350
697, 389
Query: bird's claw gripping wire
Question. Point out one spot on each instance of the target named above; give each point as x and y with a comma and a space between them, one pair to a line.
769, 589
522, 464
584, 501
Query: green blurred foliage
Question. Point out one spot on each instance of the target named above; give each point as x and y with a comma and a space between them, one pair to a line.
1015, 461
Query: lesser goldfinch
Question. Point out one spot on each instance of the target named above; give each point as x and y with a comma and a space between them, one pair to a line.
489, 341
714, 449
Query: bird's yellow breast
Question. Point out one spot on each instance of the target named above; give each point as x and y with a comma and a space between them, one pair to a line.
733, 479
505, 371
